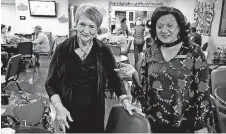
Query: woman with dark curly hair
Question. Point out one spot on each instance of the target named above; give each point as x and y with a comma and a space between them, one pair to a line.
174, 89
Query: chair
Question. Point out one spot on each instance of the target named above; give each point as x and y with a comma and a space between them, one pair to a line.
116, 50
218, 80
120, 121
125, 52
12, 73
57, 40
26, 51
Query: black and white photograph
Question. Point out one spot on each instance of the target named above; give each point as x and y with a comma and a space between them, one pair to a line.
113, 66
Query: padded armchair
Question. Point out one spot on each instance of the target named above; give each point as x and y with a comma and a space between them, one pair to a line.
218, 81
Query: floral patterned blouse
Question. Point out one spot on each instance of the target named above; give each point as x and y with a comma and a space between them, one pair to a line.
176, 91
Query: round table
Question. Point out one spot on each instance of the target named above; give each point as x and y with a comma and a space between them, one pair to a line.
220, 94
121, 58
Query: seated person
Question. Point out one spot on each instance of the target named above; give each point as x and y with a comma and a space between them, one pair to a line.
4, 38
41, 41
4, 54
4, 60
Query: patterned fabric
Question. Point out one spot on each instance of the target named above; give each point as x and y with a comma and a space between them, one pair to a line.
177, 91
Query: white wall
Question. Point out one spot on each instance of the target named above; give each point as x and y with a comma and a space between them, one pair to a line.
8, 15
215, 40
49, 24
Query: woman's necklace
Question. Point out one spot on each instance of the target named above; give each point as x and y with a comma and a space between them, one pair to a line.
85, 53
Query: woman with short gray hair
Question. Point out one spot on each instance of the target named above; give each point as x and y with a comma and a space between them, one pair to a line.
77, 76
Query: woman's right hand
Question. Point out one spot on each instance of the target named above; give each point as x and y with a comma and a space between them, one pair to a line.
62, 114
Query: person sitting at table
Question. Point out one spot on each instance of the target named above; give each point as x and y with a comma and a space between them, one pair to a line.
4, 54
40, 41
174, 91
4, 39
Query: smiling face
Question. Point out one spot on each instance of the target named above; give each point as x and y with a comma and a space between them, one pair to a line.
86, 29
167, 28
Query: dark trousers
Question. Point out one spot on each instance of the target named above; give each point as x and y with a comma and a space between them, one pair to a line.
138, 48
36, 56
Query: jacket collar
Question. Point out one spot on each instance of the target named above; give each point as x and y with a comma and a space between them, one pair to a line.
73, 43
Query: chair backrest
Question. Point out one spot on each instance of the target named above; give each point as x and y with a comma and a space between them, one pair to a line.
218, 78
129, 42
13, 67
116, 50
57, 40
25, 48
120, 121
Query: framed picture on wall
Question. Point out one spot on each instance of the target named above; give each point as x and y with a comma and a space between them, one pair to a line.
222, 28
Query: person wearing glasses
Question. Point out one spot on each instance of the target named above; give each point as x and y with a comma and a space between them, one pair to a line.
174, 91
77, 76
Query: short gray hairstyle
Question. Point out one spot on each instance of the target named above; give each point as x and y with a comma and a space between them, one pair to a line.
90, 11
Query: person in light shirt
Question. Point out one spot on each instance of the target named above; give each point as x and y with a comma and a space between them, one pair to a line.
40, 42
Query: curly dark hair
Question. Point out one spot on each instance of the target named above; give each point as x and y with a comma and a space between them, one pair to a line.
180, 18
123, 20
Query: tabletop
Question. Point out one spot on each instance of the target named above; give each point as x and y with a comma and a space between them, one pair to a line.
220, 94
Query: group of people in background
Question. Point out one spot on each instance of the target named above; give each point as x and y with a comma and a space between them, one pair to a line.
171, 84
40, 39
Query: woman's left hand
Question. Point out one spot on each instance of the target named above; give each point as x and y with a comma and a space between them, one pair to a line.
129, 107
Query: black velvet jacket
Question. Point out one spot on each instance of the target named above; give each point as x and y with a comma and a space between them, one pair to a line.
59, 79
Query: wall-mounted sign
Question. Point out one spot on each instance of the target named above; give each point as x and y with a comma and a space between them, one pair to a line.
130, 16
22, 17
136, 4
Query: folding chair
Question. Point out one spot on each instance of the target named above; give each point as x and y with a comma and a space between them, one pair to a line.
26, 51
12, 73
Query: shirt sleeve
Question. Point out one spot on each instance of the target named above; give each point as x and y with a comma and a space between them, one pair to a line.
52, 83
201, 91
39, 39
